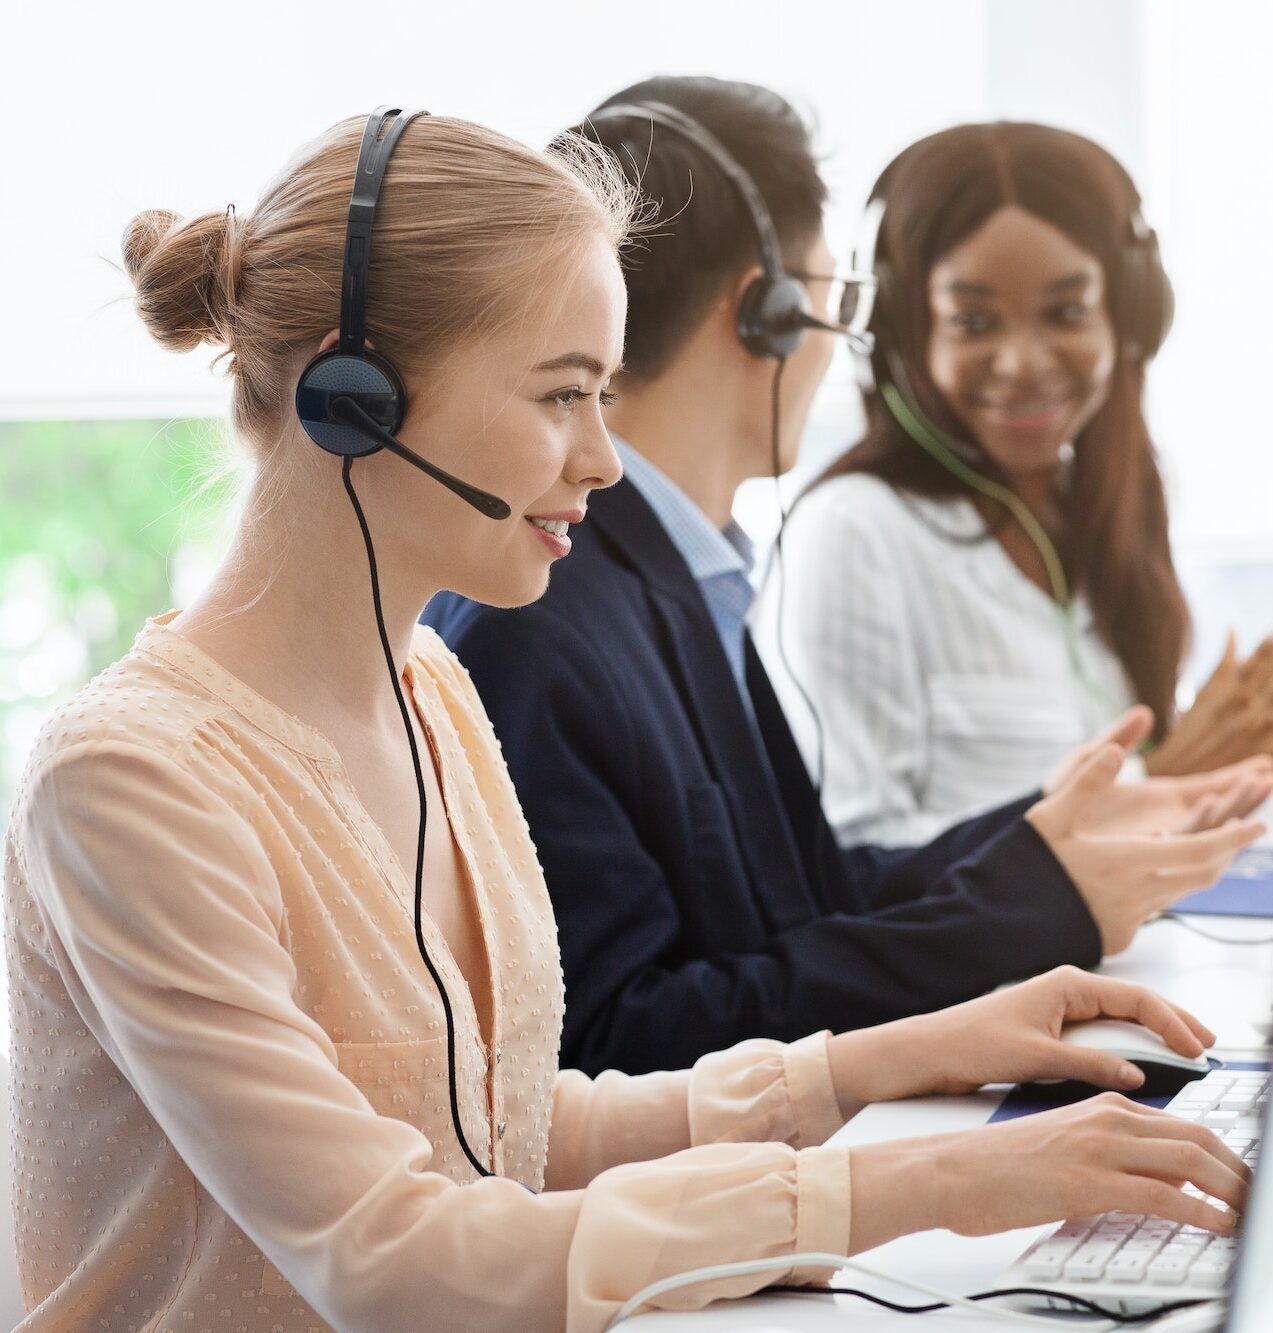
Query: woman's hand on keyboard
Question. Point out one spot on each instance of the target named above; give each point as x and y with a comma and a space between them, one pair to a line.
1127, 866
1101, 1154
1010, 1036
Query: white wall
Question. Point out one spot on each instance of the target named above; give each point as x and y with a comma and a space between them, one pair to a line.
1210, 141
194, 107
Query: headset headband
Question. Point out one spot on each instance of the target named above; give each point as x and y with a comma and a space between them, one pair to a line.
373, 160
660, 113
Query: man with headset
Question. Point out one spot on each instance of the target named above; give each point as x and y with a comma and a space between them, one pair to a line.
699, 895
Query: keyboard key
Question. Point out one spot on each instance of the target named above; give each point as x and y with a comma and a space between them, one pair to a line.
1128, 1266
1208, 1272
1089, 1260
1198, 1089
1169, 1268
1194, 1237
1045, 1262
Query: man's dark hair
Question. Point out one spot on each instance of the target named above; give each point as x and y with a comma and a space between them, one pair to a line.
702, 235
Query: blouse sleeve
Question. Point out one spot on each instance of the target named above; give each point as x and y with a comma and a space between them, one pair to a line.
847, 636
164, 918
759, 1091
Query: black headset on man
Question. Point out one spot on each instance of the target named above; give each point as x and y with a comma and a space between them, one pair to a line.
773, 315
351, 401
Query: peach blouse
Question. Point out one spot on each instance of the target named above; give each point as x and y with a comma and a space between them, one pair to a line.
229, 1063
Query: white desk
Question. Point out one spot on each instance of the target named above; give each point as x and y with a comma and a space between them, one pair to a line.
1230, 987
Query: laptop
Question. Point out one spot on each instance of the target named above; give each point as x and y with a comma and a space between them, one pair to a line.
1135, 1264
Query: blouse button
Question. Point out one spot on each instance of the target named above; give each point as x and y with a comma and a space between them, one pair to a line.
500, 1128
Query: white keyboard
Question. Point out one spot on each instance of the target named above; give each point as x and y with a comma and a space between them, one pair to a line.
1132, 1263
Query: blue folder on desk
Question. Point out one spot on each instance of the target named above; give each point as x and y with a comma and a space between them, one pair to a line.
1246, 890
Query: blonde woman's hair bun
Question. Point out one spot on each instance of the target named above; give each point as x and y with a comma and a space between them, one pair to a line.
185, 272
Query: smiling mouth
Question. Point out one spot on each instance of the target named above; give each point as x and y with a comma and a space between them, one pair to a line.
1026, 407
557, 526
554, 533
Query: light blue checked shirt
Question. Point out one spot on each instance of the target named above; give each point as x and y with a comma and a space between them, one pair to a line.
720, 561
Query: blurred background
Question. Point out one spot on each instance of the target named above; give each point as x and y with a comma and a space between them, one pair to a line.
109, 446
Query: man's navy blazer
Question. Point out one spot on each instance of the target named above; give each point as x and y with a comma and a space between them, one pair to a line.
700, 895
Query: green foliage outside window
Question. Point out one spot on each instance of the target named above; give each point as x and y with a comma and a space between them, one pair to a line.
102, 523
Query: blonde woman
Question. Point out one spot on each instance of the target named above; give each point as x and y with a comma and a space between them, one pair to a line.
232, 1102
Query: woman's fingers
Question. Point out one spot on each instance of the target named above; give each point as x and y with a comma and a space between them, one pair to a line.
1258, 667
1165, 1150
1156, 1198
1089, 995
1058, 1059
1177, 1027
1172, 1160
1100, 1154
1149, 1122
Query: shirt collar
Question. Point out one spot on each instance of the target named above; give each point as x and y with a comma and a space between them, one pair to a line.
707, 550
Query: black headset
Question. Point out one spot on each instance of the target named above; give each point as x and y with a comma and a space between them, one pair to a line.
350, 400
773, 315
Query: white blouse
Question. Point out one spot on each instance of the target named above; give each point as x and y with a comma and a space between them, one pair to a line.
945, 680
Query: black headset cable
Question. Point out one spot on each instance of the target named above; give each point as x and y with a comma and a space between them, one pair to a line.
479, 1167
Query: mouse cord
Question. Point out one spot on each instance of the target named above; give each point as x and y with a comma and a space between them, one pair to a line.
784, 1263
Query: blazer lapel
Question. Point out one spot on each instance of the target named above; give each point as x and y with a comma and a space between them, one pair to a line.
726, 733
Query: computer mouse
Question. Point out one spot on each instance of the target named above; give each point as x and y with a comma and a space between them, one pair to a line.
1166, 1072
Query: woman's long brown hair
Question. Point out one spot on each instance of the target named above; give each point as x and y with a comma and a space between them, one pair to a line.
1114, 542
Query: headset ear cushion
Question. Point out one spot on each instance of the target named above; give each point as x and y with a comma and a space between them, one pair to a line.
366, 378
771, 316
1146, 302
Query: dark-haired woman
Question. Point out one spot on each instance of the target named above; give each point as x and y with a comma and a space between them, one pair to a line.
986, 579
